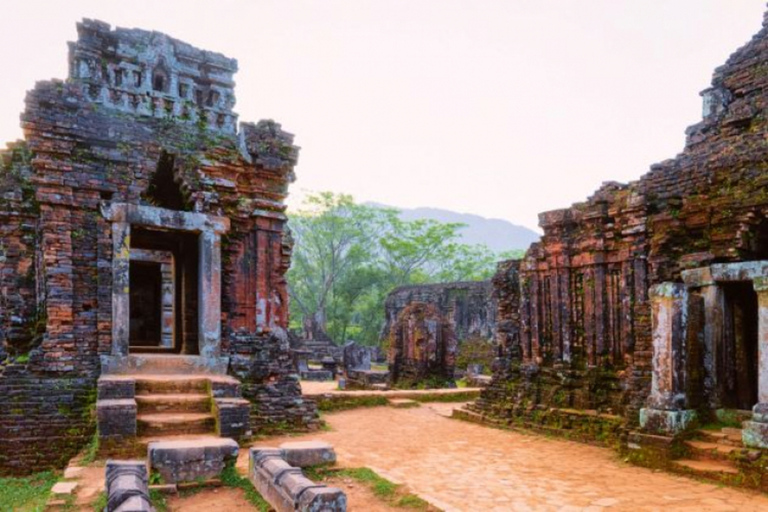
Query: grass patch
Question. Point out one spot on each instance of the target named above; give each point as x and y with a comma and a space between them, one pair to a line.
389, 492
158, 500
100, 503
230, 478
91, 451
342, 403
28, 494
462, 396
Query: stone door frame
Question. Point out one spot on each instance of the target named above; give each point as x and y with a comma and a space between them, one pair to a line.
209, 229
168, 291
670, 311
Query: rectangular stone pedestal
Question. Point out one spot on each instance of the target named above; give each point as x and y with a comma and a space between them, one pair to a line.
666, 422
189, 461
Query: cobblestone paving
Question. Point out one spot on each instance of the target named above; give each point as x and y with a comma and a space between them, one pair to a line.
463, 466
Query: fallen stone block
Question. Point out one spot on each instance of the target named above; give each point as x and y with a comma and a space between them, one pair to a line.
127, 486
64, 488
192, 460
287, 489
367, 379
317, 375
303, 454
403, 403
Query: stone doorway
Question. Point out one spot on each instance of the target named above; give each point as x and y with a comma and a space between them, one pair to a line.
156, 323
710, 348
146, 304
169, 263
736, 365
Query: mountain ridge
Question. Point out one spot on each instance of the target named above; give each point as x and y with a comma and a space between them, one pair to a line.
498, 234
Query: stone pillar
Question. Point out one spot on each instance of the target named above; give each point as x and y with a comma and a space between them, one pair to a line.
701, 283
666, 410
121, 265
755, 432
168, 305
713, 333
209, 296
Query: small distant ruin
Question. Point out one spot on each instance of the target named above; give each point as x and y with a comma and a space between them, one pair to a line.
470, 306
142, 231
422, 348
426, 325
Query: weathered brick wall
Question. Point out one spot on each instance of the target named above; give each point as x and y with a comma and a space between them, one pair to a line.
18, 241
265, 367
469, 306
44, 421
585, 325
422, 348
97, 138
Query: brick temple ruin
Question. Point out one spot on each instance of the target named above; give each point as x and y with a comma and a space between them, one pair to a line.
142, 232
426, 324
643, 311
470, 306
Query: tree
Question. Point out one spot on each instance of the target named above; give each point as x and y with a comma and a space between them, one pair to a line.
333, 238
348, 257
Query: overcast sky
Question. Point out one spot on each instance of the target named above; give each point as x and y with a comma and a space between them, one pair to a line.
503, 108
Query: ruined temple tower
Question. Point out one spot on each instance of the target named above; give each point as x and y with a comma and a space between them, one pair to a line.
642, 314
142, 255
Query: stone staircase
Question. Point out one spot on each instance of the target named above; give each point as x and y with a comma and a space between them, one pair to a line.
174, 407
135, 409
710, 453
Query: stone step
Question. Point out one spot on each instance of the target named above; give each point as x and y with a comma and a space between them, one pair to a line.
403, 403
145, 441
163, 364
164, 424
733, 435
706, 450
726, 436
189, 402
160, 384
710, 468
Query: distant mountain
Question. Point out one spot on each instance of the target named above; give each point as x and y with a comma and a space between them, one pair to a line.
497, 234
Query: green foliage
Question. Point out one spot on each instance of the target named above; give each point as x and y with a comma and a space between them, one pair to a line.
26, 494
347, 257
91, 451
158, 500
389, 492
231, 478
100, 503
342, 403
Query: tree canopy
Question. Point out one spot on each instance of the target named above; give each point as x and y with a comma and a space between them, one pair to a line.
347, 257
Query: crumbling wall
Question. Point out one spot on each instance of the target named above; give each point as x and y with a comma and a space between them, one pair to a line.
18, 242
470, 306
422, 348
133, 99
585, 321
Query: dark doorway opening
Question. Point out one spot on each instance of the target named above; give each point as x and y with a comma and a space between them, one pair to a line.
737, 365
185, 249
146, 305
163, 191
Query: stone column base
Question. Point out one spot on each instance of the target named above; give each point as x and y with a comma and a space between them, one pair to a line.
755, 434
666, 422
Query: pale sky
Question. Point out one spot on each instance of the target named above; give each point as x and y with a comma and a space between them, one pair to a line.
502, 108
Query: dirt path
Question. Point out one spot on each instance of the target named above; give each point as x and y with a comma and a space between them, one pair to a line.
463, 466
